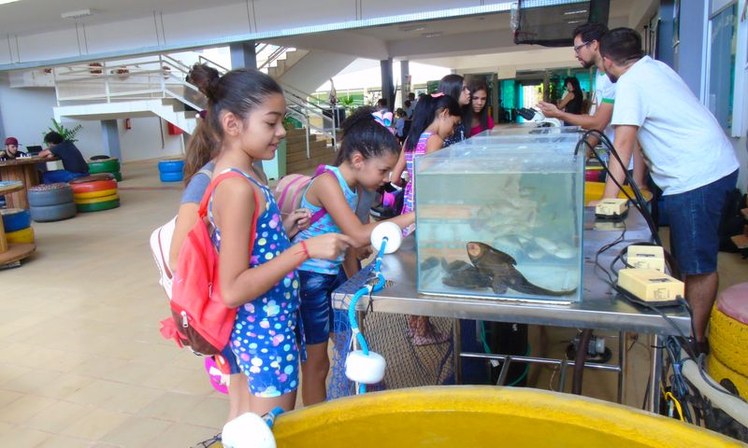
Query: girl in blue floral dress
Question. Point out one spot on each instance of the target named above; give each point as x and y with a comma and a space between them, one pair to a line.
257, 263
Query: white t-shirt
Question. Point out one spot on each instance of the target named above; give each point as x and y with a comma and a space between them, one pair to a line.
605, 92
685, 145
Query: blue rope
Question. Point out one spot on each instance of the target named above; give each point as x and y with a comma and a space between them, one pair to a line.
366, 289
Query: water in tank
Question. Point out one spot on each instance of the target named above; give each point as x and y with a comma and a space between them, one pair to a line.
499, 216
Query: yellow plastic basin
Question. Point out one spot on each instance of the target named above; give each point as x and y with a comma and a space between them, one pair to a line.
593, 191
483, 416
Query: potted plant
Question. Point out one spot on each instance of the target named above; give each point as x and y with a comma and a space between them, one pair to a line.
66, 133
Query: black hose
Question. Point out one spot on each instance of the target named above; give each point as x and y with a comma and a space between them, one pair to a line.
580, 359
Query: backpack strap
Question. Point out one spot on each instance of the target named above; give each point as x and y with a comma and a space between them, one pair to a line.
319, 214
209, 192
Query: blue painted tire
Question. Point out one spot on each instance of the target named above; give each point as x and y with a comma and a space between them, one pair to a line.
171, 166
171, 177
15, 219
57, 212
51, 194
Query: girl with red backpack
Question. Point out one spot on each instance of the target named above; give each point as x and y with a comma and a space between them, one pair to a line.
245, 117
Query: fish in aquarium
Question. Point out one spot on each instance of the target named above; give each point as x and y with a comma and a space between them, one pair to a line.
491, 268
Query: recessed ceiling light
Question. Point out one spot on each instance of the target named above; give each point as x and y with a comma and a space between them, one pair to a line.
3, 2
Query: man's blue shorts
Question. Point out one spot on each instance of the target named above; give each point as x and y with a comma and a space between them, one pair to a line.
694, 218
316, 304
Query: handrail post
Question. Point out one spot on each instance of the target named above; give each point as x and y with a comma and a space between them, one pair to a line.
308, 124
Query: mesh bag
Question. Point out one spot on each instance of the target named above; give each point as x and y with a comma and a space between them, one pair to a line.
408, 365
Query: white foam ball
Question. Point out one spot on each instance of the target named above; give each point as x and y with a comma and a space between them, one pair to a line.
389, 230
247, 431
364, 369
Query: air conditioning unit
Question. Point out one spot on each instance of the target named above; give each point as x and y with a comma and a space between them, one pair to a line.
550, 23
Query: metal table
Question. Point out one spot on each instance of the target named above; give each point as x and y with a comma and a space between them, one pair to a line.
600, 307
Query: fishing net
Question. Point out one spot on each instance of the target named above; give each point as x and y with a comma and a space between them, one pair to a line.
408, 364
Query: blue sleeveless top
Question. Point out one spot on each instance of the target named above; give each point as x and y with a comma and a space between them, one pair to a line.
282, 300
325, 225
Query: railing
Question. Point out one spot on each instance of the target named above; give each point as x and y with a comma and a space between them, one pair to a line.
163, 76
125, 80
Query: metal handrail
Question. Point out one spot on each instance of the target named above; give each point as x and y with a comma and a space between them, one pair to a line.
162, 76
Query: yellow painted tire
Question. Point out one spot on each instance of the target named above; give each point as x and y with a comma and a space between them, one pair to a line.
457, 416
95, 194
23, 236
111, 197
717, 370
727, 341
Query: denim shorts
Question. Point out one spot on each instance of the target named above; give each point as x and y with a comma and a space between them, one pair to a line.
316, 304
694, 218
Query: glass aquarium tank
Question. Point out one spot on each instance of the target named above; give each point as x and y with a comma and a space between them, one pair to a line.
500, 216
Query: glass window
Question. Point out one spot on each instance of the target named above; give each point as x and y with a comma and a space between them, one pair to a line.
723, 40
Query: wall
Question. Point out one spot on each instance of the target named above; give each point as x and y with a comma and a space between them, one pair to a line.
27, 115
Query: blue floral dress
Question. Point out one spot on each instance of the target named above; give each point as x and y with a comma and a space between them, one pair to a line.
264, 338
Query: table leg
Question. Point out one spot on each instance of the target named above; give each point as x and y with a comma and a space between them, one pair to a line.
3, 239
25, 174
457, 350
653, 403
622, 364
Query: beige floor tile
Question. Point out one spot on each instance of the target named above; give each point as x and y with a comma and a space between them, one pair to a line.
58, 441
58, 417
183, 435
95, 393
24, 437
211, 412
172, 406
131, 399
8, 396
22, 409
96, 425
136, 432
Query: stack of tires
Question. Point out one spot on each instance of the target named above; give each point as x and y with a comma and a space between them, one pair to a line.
95, 193
51, 202
728, 333
105, 164
17, 223
171, 170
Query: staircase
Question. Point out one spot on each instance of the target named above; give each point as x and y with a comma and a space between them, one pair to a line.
296, 151
168, 109
155, 85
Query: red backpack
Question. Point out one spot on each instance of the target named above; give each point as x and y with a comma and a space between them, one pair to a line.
200, 318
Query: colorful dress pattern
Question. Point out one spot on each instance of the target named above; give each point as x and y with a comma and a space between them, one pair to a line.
265, 334
409, 195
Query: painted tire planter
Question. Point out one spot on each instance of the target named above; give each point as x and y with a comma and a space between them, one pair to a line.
91, 178
719, 371
94, 186
57, 212
728, 329
111, 197
99, 157
51, 194
98, 206
23, 236
15, 219
103, 166
94, 194
171, 170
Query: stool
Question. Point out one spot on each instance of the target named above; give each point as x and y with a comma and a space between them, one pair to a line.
51, 202
105, 164
171, 170
728, 331
95, 195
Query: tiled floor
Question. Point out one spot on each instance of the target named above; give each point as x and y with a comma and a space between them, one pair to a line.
83, 363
